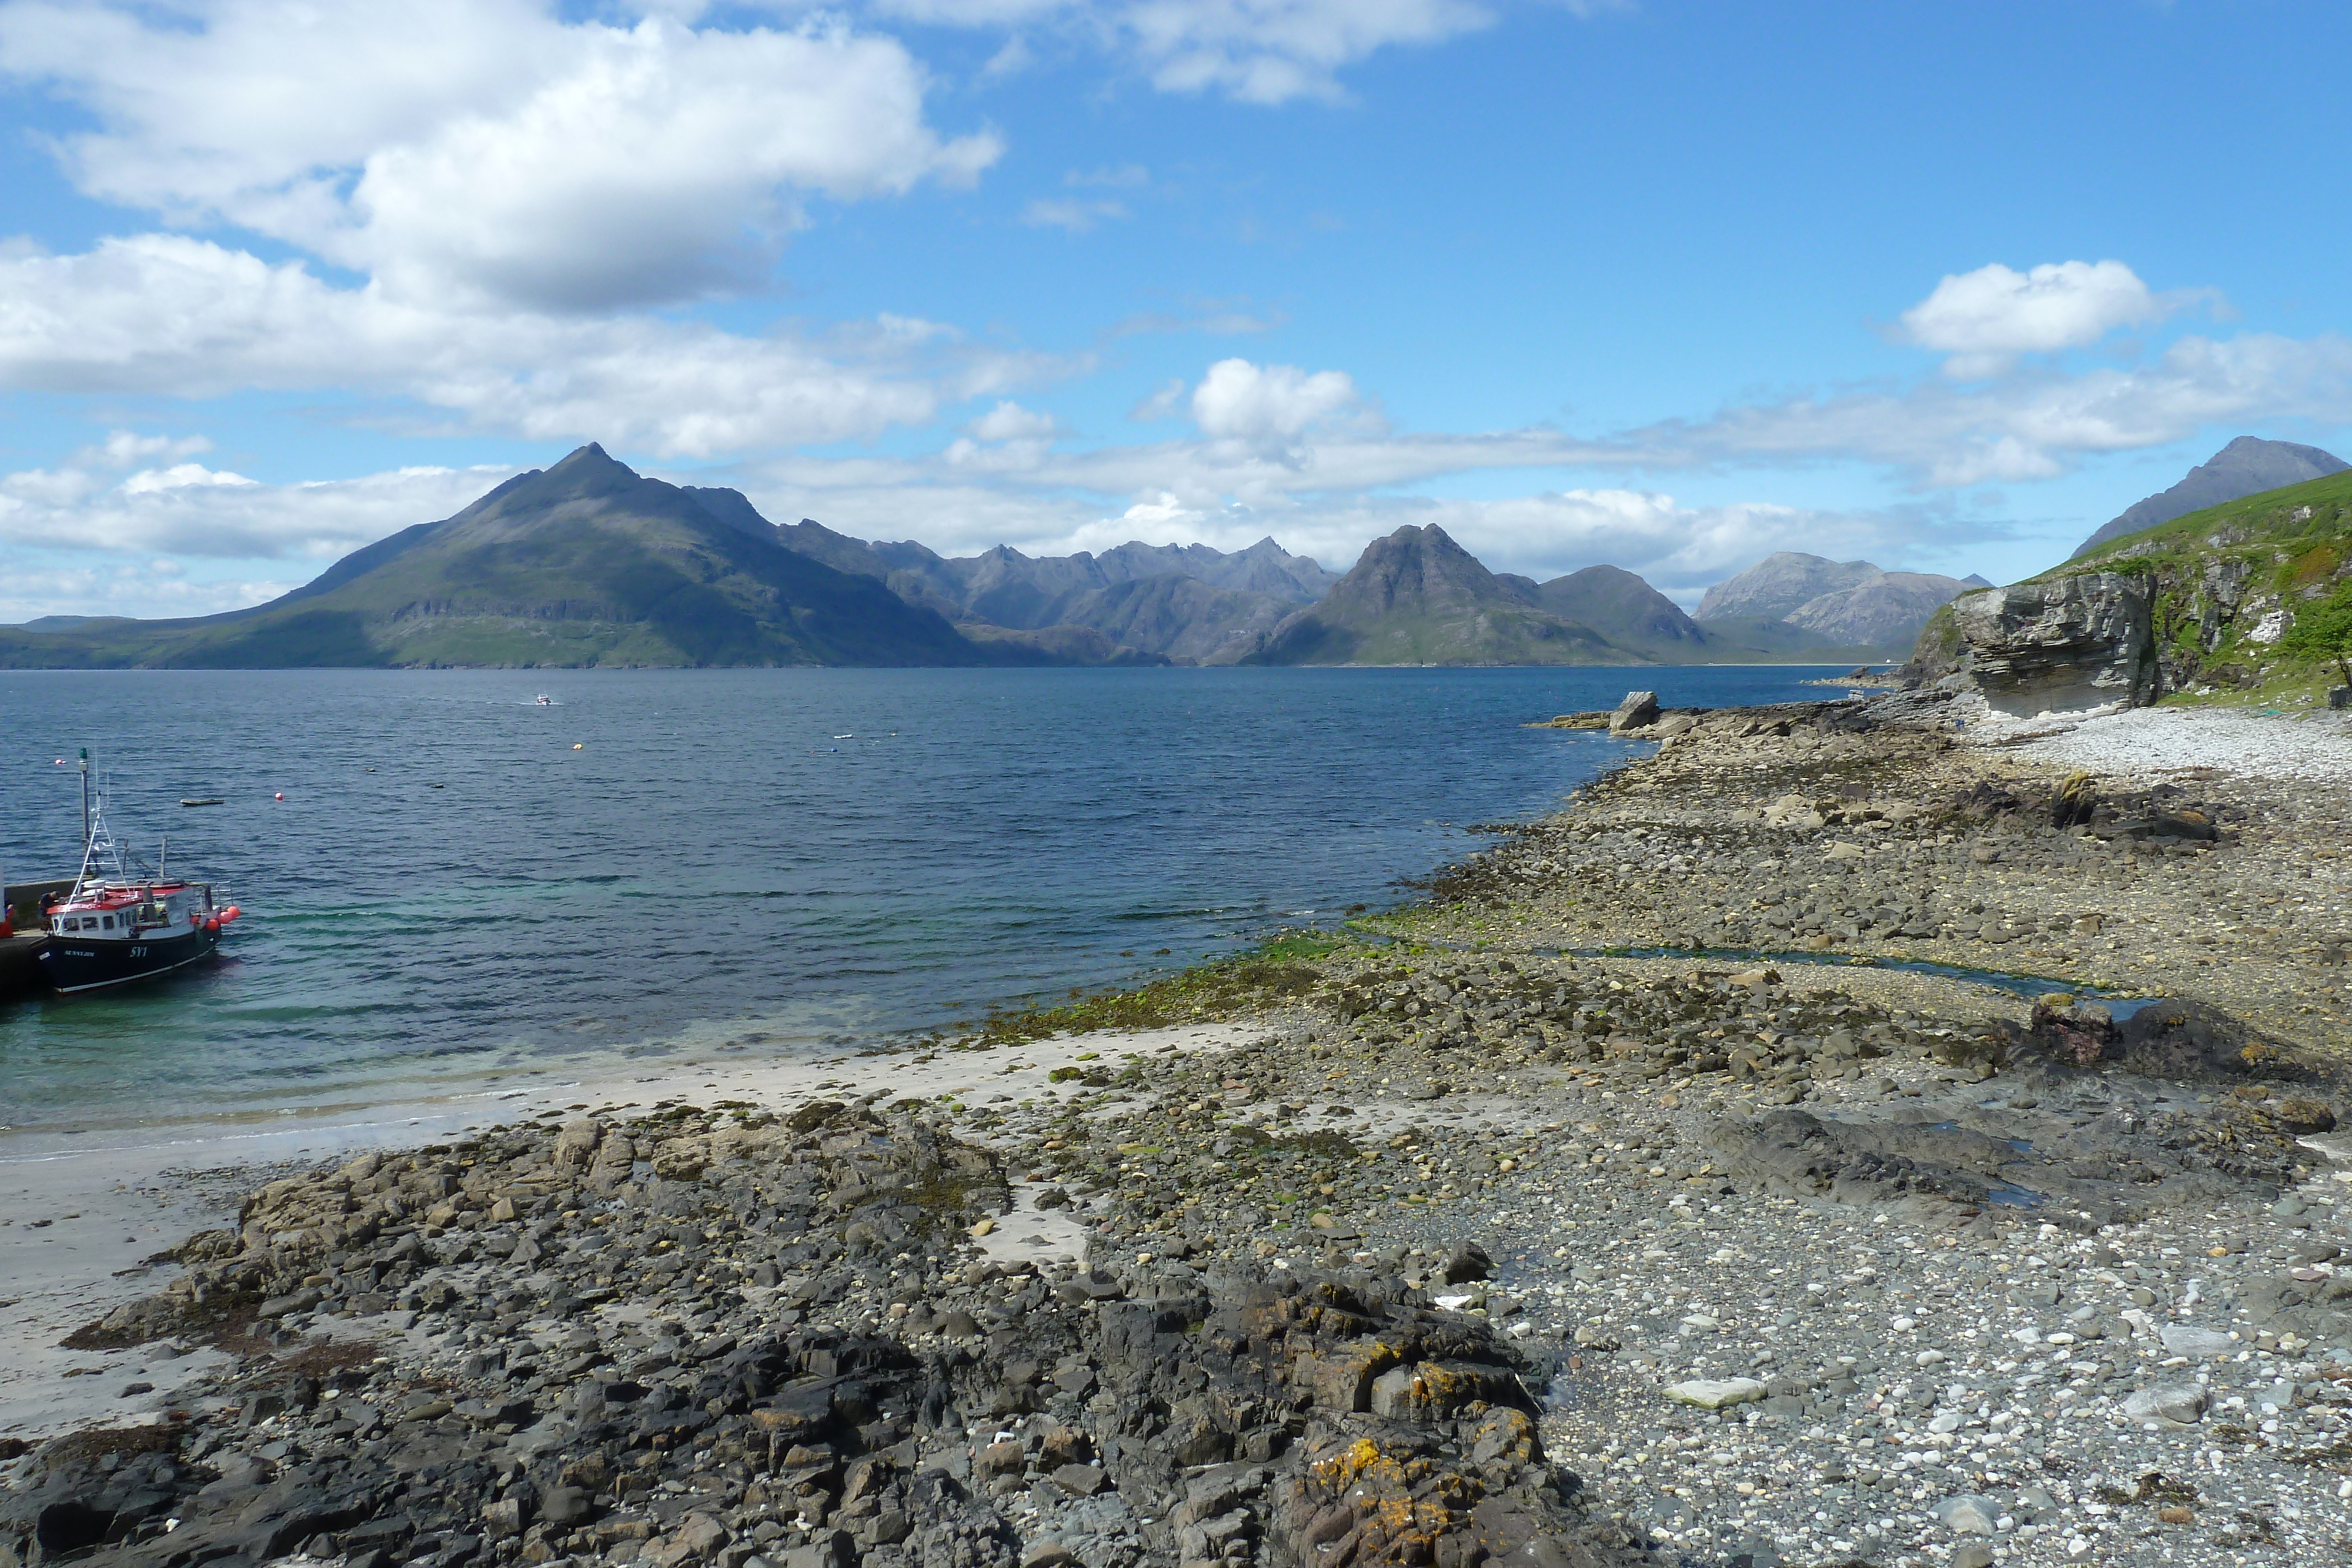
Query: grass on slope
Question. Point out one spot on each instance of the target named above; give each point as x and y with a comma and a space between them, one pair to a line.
2218, 573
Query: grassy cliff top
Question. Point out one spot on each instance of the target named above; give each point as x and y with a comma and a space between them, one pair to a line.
2310, 522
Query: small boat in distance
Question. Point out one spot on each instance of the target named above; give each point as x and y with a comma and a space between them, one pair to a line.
121, 921
544, 700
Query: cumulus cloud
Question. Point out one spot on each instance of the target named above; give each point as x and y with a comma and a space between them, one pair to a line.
1009, 422
160, 314
191, 511
179, 477
1984, 319
1265, 406
487, 150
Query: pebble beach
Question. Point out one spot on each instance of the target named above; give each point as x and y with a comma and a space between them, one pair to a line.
1839, 1136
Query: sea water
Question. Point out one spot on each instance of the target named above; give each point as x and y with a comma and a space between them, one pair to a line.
460, 881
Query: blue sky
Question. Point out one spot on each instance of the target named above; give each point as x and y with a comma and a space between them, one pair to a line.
1664, 285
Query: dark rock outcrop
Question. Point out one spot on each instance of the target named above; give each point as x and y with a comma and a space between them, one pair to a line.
2071, 642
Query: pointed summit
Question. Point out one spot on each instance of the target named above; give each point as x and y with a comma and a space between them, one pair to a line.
1416, 596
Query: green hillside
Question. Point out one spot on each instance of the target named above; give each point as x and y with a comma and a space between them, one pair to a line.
2230, 583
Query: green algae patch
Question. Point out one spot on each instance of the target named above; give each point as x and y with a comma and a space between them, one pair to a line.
1278, 970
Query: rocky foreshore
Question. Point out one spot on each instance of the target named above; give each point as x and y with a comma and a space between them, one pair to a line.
1828, 1141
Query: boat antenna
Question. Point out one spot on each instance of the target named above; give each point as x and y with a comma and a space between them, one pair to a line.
85, 797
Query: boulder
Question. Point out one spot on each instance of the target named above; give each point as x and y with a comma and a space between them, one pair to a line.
2187, 1339
1969, 1514
2081, 641
2181, 1403
1638, 711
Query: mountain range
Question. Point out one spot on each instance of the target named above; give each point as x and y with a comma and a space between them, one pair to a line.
588, 562
1790, 595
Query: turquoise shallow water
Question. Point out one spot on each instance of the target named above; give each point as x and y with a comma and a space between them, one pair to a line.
460, 882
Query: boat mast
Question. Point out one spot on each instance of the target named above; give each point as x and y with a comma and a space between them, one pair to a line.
85, 801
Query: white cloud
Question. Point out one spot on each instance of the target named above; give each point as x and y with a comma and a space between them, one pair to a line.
44, 582
160, 314
2028, 426
195, 512
1069, 213
1266, 405
486, 149
123, 448
1010, 422
1259, 51
1985, 318
179, 477
1271, 51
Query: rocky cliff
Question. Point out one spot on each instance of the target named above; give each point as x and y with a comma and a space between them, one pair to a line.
2074, 642
2199, 603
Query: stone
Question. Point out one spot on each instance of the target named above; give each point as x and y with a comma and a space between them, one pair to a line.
1970, 1513
2183, 1403
1972, 1554
2079, 640
1714, 1394
2187, 1339
1049, 1555
1081, 1480
1638, 710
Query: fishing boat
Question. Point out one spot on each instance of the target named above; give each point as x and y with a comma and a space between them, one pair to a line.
122, 921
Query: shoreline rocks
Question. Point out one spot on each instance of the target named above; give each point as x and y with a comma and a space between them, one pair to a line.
1486, 1245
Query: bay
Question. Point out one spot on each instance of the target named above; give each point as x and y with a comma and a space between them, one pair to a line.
460, 882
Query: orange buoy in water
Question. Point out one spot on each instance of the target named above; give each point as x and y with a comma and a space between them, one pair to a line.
280, 796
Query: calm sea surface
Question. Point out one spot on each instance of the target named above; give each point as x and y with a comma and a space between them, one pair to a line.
460, 882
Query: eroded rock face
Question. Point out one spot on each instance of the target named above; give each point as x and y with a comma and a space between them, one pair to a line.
2069, 643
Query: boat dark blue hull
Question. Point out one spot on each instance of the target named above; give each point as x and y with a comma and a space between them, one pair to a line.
71, 963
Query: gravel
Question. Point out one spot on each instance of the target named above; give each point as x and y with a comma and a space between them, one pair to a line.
2314, 748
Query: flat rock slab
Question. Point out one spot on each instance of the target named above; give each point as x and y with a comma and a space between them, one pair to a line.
1717, 1393
2187, 1339
1972, 1514
2181, 1403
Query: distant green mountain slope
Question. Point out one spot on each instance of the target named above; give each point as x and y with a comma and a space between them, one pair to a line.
583, 563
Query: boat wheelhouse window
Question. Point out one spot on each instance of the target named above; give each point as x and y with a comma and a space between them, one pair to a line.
105, 922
